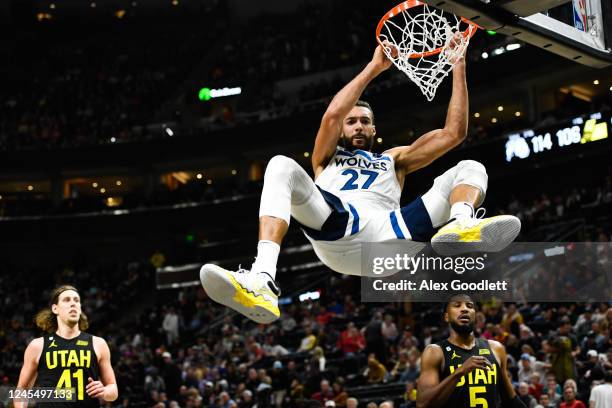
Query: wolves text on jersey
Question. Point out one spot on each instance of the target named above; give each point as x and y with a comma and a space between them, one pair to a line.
361, 163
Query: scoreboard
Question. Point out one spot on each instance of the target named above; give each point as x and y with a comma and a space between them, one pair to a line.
538, 141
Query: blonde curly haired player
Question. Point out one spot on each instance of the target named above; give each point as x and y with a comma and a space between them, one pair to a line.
66, 357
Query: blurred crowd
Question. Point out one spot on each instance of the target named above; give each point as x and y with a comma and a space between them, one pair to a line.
536, 209
185, 351
117, 82
104, 85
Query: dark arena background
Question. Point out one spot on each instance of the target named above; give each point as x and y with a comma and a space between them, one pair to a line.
134, 136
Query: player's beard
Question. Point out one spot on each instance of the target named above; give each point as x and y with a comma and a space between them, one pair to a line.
461, 329
347, 142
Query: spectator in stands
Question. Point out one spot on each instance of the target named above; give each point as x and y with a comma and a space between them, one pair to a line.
153, 381
489, 331
512, 319
280, 382
324, 316
601, 395
247, 399
255, 351
565, 330
427, 336
309, 341
500, 334
529, 366
589, 342
545, 402
561, 359
253, 380
226, 401
274, 350
553, 390
375, 341
600, 328
351, 341
352, 403
389, 330
292, 372
325, 393
583, 324
408, 339
318, 359
264, 392
523, 394
592, 369
376, 371
413, 370
340, 396
296, 393
171, 326
288, 323
409, 396
535, 386
607, 362
569, 397
386, 404
571, 383
400, 366
171, 375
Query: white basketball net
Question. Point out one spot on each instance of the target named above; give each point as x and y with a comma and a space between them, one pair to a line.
418, 30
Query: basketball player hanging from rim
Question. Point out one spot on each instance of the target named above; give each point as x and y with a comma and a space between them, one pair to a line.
355, 197
66, 357
465, 371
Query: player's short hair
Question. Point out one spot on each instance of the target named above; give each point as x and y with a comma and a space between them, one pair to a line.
459, 297
365, 104
47, 320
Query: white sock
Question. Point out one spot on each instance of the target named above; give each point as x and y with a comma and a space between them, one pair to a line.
267, 257
461, 209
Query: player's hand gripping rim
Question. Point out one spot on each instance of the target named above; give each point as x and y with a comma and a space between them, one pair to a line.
380, 59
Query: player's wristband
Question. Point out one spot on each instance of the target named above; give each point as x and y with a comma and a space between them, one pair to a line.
518, 403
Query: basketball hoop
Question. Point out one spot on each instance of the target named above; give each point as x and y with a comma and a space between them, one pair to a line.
422, 37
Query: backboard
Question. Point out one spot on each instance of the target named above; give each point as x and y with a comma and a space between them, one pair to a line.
580, 30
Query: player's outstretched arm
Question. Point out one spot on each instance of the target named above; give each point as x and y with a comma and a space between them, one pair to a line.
107, 387
433, 393
331, 124
438, 142
28, 373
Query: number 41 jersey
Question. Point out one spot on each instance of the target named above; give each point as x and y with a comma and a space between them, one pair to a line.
366, 180
67, 364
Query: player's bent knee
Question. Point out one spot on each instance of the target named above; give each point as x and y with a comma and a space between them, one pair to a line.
473, 165
281, 165
472, 173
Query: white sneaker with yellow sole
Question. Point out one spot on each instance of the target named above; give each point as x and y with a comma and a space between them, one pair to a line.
474, 234
253, 294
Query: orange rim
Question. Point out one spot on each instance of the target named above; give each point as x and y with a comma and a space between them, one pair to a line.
406, 5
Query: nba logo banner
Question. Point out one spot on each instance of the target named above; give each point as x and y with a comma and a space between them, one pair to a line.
580, 15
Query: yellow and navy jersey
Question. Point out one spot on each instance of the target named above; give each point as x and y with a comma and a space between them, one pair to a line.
67, 364
480, 387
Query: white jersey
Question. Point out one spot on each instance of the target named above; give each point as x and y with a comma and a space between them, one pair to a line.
363, 179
